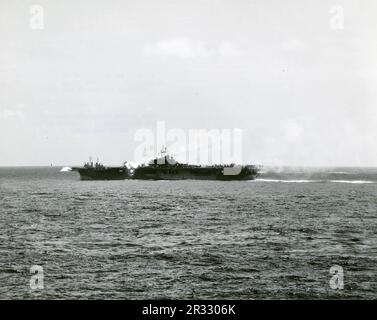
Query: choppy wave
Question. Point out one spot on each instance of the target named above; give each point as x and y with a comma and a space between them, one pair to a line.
66, 169
166, 235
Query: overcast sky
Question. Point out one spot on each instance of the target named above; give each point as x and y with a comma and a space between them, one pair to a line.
299, 82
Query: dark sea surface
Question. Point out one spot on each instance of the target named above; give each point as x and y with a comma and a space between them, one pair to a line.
273, 238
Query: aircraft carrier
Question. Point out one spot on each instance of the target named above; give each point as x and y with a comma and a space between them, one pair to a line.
167, 168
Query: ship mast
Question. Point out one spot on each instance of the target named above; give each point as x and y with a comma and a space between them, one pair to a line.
163, 151
162, 159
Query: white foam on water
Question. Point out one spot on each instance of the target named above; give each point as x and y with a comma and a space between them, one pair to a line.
66, 169
308, 181
352, 181
288, 181
339, 172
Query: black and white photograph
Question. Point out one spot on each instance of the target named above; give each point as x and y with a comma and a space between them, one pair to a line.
188, 150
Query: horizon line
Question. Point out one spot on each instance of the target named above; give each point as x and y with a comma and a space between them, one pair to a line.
266, 166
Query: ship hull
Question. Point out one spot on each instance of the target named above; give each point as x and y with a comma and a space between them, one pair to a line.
198, 173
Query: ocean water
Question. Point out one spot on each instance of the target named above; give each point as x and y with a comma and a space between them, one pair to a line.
273, 238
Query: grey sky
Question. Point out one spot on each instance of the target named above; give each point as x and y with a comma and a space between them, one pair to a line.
304, 93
